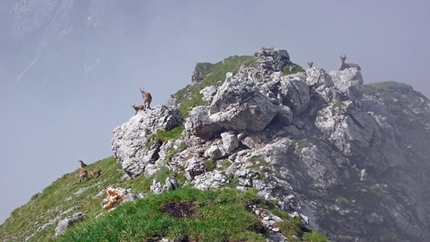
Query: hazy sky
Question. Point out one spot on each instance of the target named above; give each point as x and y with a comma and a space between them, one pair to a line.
46, 127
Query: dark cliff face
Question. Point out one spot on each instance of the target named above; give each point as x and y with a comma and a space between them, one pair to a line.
409, 181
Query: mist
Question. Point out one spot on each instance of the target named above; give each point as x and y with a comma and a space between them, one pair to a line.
70, 70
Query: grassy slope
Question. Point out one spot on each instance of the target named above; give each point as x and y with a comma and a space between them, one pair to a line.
213, 212
212, 215
58, 197
212, 208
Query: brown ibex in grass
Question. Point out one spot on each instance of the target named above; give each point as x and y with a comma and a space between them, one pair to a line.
344, 65
147, 98
96, 172
310, 64
83, 174
138, 108
82, 164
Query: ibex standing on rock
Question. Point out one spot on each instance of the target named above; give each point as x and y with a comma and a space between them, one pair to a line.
344, 65
147, 98
310, 64
138, 108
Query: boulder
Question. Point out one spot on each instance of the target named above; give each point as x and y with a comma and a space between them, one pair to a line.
193, 167
272, 59
230, 142
238, 105
169, 185
349, 82
67, 222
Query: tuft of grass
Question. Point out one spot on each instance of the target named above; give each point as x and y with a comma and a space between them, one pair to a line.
210, 164
374, 88
299, 144
162, 136
225, 164
166, 135
339, 104
292, 69
314, 236
290, 227
342, 202
257, 162
181, 147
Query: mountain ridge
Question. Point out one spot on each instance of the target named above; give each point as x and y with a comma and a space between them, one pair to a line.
341, 156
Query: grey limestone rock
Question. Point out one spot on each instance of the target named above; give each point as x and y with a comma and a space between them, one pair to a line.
272, 59
169, 185
67, 222
238, 105
208, 93
193, 167
349, 82
209, 180
290, 91
131, 144
313, 142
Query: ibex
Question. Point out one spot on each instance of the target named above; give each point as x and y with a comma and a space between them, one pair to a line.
96, 172
344, 65
147, 98
82, 164
310, 64
83, 174
137, 108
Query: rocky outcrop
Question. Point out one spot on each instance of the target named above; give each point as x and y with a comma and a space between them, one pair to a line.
238, 105
349, 163
132, 143
271, 60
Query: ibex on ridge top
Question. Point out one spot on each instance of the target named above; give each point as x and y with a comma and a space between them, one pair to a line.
147, 98
138, 108
344, 65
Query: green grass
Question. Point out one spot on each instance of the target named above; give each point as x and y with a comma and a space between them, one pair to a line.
58, 197
208, 217
396, 96
186, 213
210, 164
315, 236
162, 136
173, 134
211, 215
385, 86
292, 69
